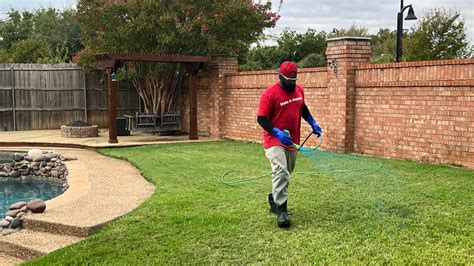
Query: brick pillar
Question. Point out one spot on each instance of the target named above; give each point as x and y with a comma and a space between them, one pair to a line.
217, 68
344, 55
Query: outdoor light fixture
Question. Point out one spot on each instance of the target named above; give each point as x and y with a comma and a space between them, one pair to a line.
114, 76
410, 16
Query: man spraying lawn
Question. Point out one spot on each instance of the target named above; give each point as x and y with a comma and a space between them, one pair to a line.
279, 114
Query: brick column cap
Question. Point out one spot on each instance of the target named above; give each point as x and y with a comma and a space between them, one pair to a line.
349, 38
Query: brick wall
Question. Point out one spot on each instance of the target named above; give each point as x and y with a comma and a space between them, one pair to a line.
418, 111
345, 54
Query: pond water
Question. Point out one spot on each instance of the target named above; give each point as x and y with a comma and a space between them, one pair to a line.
13, 190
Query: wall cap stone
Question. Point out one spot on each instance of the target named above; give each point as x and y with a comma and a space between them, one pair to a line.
349, 38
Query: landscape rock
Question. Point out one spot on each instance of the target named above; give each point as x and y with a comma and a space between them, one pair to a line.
18, 205
16, 223
36, 206
4, 223
7, 168
8, 231
18, 156
54, 174
15, 174
12, 213
36, 155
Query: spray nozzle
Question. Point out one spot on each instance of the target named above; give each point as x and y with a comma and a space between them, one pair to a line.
292, 145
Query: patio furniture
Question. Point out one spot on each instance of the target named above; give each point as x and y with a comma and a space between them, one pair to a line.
144, 122
167, 122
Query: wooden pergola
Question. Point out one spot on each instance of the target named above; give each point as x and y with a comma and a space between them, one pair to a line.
191, 64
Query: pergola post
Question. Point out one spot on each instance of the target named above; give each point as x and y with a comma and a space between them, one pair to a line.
193, 105
112, 106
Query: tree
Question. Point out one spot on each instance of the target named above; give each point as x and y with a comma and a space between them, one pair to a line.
199, 27
30, 51
18, 26
308, 49
441, 34
58, 30
262, 58
383, 46
297, 46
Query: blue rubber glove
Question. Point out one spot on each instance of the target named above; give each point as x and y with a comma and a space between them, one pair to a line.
317, 130
282, 137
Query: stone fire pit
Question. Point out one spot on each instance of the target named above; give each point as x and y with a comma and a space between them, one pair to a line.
79, 129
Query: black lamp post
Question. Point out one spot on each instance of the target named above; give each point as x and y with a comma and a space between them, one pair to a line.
410, 16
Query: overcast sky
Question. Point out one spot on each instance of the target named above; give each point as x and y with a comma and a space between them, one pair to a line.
299, 15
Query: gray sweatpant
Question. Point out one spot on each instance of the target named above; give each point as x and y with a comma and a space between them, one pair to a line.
282, 161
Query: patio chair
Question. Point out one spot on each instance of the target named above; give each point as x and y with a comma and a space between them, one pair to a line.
169, 122
145, 122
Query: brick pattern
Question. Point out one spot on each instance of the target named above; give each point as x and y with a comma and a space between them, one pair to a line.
418, 110
421, 111
348, 54
79, 132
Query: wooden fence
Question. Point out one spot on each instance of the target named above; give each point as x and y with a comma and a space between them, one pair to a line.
34, 97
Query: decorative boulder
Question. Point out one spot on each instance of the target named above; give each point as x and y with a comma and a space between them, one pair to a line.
12, 213
36, 206
4, 223
17, 156
16, 223
36, 155
18, 205
8, 231
15, 174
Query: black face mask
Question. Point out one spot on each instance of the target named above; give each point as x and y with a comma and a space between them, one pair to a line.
288, 87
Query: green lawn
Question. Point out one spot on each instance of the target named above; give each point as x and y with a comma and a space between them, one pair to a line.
345, 209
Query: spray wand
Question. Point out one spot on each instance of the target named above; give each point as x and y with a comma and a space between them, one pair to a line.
300, 147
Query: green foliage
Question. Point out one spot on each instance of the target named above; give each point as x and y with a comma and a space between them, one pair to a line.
57, 30
262, 58
60, 30
313, 60
346, 209
87, 59
307, 48
17, 27
441, 34
30, 51
174, 27
297, 46
4, 56
353, 31
384, 46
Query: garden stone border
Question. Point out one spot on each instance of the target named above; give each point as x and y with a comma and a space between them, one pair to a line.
33, 164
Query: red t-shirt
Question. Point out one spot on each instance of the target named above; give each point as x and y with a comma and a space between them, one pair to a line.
283, 110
